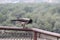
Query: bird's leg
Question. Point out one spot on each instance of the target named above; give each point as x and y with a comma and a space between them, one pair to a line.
23, 24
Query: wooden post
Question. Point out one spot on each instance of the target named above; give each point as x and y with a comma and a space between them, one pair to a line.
35, 35
57, 38
39, 35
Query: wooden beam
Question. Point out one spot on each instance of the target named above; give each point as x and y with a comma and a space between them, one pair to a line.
35, 35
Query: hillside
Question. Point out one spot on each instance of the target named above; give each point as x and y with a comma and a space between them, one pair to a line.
45, 16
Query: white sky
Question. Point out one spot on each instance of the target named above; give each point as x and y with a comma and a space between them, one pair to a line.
50, 1
29, 0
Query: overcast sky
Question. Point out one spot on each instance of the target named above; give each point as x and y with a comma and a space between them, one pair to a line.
8, 1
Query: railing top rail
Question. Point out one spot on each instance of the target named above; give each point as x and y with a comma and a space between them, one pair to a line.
14, 28
30, 29
46, 32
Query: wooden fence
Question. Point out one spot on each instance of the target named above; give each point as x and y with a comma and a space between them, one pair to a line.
19, 33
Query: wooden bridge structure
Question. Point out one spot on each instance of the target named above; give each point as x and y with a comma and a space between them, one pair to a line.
38, 34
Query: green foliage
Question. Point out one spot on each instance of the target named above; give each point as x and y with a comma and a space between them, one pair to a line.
45, 16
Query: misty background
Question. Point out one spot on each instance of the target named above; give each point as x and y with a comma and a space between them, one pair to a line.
45, 13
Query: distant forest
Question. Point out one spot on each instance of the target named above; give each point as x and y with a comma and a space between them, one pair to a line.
45, 16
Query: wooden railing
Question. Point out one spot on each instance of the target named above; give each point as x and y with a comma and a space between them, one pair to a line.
29, 33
